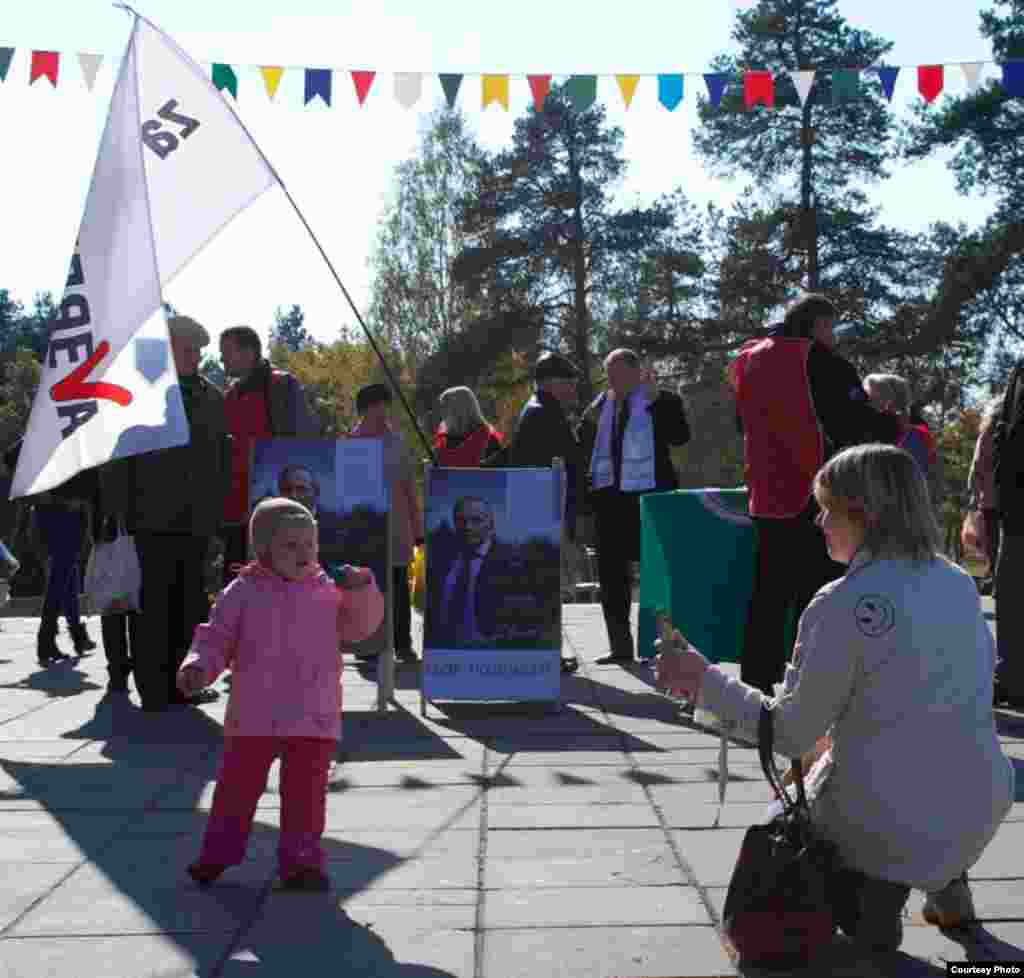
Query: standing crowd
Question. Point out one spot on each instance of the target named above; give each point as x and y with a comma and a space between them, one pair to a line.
858, 631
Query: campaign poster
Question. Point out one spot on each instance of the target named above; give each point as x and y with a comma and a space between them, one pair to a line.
493, 618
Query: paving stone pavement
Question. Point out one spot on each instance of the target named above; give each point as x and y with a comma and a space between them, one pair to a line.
485, 841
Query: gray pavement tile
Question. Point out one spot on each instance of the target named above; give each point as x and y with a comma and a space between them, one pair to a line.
711, 854
532, 776
1004, 856
570, 815
559, 858
90, 902
1002, 941
379, 809
24, 883
574, 758
42, 837
111, 956
554, 791
37, 750
376, 895
304, 934
604, 906
383, 774
673, 951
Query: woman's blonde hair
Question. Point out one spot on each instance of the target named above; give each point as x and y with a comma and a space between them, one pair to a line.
460, 411
882, 488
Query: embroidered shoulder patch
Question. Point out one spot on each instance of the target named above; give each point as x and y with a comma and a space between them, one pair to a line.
875, 615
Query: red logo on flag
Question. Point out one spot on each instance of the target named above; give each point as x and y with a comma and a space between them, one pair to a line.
75, 388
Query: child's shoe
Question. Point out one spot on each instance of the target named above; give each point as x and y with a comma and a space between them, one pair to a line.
951, 907
308, 878
206, 873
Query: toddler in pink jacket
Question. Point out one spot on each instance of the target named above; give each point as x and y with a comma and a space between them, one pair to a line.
278, 625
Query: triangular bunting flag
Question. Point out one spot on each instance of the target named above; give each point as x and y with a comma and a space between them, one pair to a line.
90, 65
670, 90
494, 88
1013, 78
717, 84
6, 54
845, 84
758, 87
451, 84
972, 73
802, 81
271, 79
362, 81
582, 91
45, 64
888, 76
318, 82
408, 86
627, 85
929, 81
540, 85
223, 76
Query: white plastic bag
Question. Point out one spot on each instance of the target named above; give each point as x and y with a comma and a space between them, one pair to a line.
113, 577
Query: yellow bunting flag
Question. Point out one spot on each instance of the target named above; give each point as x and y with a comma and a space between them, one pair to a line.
627, 85
495, 89
271, 79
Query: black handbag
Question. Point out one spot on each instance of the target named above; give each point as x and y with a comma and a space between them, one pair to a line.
778, 909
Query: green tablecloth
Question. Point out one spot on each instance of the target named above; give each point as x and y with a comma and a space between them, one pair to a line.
698, 551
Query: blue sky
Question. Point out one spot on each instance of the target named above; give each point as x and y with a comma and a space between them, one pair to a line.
338, 162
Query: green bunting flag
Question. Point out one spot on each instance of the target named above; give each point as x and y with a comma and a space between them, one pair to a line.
845, 84
582, 91
224, 77
5, 62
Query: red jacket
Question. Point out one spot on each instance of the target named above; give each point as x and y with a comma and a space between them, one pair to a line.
468, 453
782, 439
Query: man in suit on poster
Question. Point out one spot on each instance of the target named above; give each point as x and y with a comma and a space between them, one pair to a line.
471, 569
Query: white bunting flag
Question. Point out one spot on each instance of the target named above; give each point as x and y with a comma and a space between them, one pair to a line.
803, 80
408, 85
972, 72
90, 65
174, 167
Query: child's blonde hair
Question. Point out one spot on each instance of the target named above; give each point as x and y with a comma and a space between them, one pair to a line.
460, 411
882, 487
269, 516
892, 388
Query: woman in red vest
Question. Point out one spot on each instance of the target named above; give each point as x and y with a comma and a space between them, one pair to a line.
464, 438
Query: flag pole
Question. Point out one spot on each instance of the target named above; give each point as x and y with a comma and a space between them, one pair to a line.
323, 254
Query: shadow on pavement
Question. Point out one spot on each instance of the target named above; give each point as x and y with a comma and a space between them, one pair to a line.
62, 679
133, 817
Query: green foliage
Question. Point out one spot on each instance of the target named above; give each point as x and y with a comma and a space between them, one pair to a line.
288, 329
213, 370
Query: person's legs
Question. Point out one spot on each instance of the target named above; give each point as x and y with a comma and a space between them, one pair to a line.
402, 613
811, 563
152, 656
305, 764
1010, 616
235, 550
617, 541
114, 629
49, 523
869, 910
240, 782
990, 540
764, 652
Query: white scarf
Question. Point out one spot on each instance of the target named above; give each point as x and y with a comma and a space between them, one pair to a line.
638, 473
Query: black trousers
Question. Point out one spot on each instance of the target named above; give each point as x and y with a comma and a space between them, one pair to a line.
120, 640
792, 564
236, 549
174, 601
617, 524
1010, 611
401, 608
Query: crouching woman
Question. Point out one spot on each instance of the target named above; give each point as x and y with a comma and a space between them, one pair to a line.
896, 660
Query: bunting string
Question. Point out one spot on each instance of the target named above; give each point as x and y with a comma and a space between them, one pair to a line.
757, 89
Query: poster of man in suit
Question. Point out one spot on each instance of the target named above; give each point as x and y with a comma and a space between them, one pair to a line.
493, 571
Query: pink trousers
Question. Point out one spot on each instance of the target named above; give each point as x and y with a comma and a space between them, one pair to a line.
305, 762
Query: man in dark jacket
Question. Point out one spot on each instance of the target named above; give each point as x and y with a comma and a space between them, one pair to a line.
626, 437
1008, 468
172, 500
262, 402
798, 402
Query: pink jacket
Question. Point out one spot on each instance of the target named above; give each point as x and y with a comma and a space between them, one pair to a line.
280, 639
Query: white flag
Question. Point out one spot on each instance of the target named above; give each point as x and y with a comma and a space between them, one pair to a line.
408, 85
972, 73
90, 65
803, 80
175, 165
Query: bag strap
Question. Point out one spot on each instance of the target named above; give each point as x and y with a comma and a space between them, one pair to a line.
765, 745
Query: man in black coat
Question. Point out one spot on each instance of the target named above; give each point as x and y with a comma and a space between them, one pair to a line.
626, 437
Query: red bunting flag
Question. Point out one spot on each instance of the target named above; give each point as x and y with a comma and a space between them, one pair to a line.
758, 86
929, 81
363, 80
45, 64
540, 85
